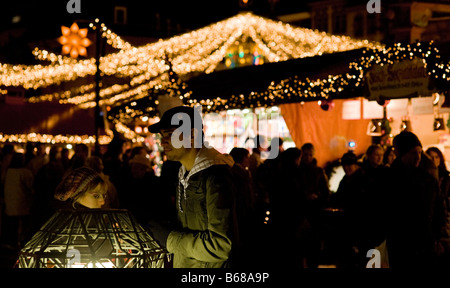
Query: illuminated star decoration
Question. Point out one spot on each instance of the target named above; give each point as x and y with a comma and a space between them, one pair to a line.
74, 40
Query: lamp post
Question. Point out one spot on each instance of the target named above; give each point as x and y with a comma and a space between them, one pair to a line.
75, 41
97, 86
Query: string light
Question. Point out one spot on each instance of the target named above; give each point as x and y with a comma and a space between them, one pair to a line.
62, 95
53, 139
203, 49
38, 76
146, 70
298, 90
146, 106
198, 51
44, 55
128, 133
113, 39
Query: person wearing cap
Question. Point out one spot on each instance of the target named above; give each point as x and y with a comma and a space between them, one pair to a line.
204, 202
80, 189
349, 162
373, 232
347, 198
413, 214
314, 181
362, 197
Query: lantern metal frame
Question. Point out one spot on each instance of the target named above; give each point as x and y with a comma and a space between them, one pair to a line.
92, 238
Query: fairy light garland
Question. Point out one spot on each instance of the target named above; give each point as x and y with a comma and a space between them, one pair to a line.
146, 106
201, 51
38, 76
128, 133
294, 89
198, 51
44, 55
53, 139
62, 96
112, 38
285, 91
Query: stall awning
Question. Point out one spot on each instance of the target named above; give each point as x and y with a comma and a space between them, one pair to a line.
245, 80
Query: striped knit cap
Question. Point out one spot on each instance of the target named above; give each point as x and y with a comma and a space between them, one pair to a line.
76, 183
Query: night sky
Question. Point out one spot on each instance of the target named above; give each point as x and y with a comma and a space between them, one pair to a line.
25, 24
191, 14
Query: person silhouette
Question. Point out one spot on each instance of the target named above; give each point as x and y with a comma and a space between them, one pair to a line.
414, 214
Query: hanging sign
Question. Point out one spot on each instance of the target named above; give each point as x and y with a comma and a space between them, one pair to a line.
403, 79
422, 106
351, 110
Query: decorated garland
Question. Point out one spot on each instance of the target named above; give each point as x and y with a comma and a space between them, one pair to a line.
293, 89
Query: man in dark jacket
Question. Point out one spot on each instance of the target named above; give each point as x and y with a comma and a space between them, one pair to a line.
314, 183
204, 198
413, 210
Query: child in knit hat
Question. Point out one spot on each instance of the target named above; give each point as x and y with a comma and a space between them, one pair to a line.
82, 188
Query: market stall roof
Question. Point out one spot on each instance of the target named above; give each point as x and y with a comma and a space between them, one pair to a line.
145, 67
301, 64
256, 79
140, 73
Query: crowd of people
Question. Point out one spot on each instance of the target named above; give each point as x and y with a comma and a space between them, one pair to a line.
394, 199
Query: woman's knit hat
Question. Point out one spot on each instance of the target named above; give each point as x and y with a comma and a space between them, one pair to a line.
76, 183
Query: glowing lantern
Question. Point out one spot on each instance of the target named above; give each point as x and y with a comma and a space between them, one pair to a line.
92, 238
74, 40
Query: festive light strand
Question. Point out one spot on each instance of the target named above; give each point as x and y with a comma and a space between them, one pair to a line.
53, 139
198, 51
148, 67
294, 89
128, 133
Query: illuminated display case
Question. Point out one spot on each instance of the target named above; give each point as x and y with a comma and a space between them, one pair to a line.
234, 128
92, 238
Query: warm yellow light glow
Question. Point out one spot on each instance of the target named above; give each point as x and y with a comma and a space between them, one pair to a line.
197, 51
53, 139
74, 40
145, 67
128, 133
